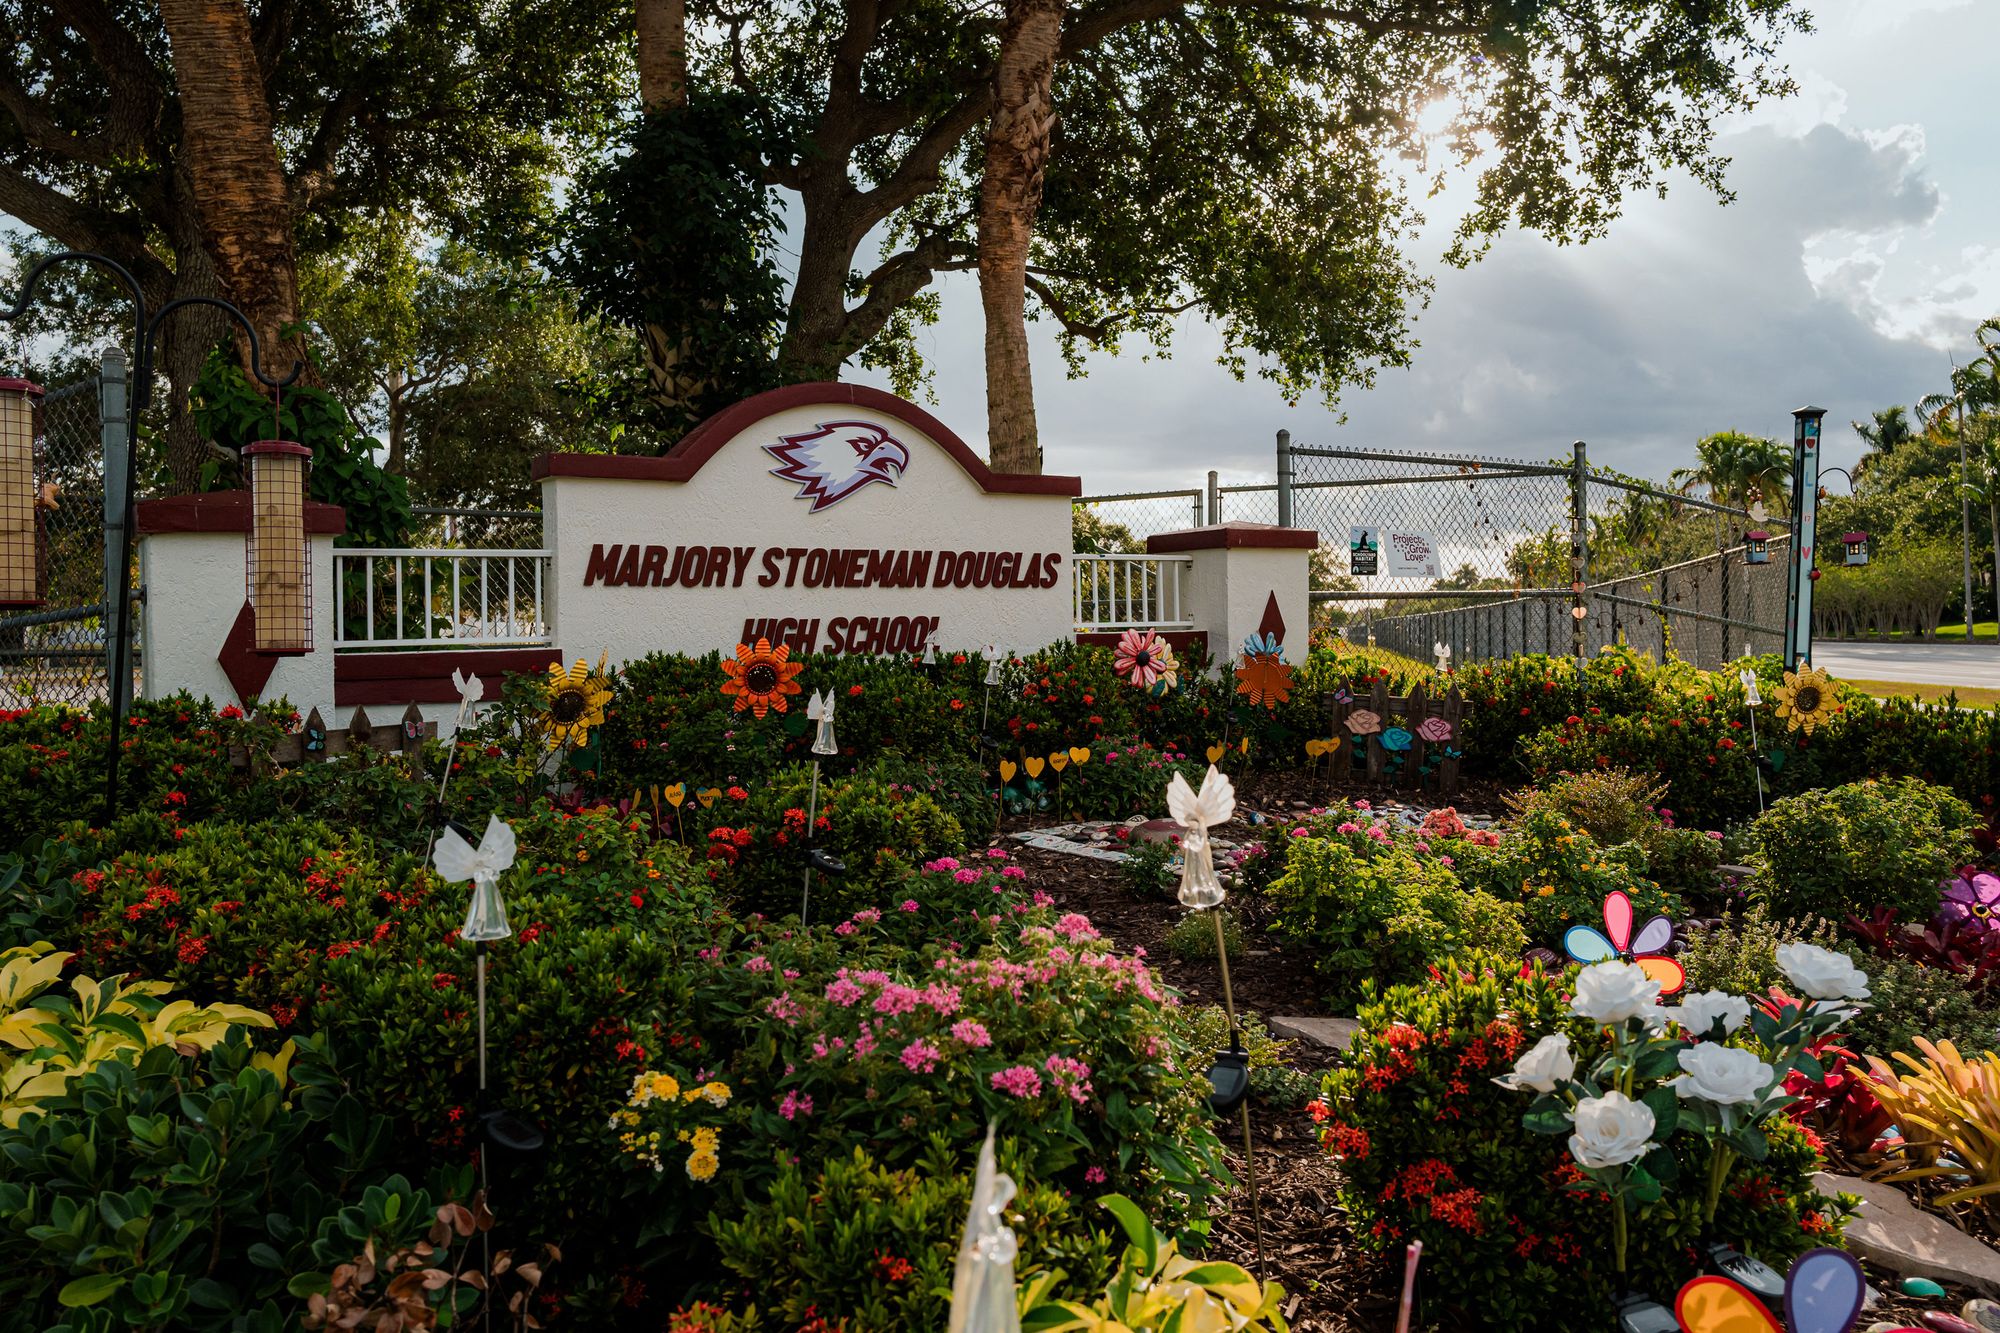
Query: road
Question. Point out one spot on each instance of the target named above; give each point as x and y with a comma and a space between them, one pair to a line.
1919, 663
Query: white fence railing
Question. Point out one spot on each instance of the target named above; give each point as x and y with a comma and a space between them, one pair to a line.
1114, 592
438, 598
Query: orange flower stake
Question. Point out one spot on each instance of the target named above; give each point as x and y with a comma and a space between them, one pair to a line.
761, 677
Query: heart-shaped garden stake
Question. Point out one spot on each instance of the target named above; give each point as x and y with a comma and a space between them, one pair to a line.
676, 794
1034, 767
1008, 768
1079, 754
1058, 760
707, 796
1215, 753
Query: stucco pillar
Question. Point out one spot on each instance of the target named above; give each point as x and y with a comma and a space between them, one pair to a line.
1235, 571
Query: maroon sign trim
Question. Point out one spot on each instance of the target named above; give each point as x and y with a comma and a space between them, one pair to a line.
226, 511
424, 677
1234, 536
703, 442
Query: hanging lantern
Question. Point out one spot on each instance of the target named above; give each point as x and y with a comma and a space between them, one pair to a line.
1857, 547
20, 522
279, 557
1757, 547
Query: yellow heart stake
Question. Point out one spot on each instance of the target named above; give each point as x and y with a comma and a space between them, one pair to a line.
1034, 767
1215, 753
1079, 754
1058, 760
1245, 746
1008, 768
1315, 748
676, 794
707, 796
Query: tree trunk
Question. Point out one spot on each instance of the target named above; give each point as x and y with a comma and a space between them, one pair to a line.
1010, 194
186, 337
662, 54
239, 188
814, 346
393, 390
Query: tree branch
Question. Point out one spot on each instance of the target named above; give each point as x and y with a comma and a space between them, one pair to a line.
312, 179
270, 31
75, 225
891, 286
41, 130
1096, 332
137, 93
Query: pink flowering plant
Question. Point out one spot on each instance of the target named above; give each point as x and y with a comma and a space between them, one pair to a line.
889, 1026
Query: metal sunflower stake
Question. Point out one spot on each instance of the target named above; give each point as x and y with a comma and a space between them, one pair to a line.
820, 710
1197, 813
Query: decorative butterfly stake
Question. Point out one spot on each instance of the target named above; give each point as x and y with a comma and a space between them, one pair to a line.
1197, 812
1823, 1294
1587, 944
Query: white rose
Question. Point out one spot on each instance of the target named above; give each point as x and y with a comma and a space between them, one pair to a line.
1610, 1130
1822, 973
1613, 992
1698, 1014
1543, 1069
1725, 1075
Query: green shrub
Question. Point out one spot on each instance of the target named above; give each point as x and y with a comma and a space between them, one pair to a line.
862, 1034
1431, 1149
1204, 1030
188, 1158
1908, 1000
1561, 876
1739, 953
1365, 903
1192, 939
1616, 806
858, 1245
878, 830
1146, 868
956, 782
1853, 848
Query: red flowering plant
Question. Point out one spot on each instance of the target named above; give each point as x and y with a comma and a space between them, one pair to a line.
1971, 955
1515, 1235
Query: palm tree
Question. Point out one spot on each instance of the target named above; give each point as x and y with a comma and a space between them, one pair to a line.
1890, 428
1975, 388
1735, 467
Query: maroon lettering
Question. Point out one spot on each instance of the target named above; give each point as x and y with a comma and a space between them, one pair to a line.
603, 563
654, 567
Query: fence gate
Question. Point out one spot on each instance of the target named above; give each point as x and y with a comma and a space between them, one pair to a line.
1528, 557
55, 652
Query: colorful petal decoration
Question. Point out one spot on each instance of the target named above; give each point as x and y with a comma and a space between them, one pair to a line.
1396, 740
1587, 944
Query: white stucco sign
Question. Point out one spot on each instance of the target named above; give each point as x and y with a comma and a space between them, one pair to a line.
832, 517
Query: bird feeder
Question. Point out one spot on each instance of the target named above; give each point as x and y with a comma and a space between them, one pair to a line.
1757, 547
1857, 547
20, 521
278, 558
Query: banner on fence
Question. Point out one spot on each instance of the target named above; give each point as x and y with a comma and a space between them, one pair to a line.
1364, 548
1412, 555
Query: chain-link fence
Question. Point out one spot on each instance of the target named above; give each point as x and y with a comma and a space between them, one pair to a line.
55, 652
1120, 524
477, 529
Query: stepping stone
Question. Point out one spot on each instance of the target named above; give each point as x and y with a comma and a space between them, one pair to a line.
1892, 1232
1332, 1033
1158, 830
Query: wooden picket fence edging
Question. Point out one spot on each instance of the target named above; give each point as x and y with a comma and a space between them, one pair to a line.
361, 732
1375, 764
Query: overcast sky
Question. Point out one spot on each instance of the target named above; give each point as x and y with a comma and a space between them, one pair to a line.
1859, 254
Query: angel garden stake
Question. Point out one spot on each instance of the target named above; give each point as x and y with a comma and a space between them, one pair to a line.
1201, 891
820, 710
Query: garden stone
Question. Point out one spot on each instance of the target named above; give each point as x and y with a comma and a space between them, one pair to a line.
1892, 1233
1159, 830
1332, 1033
1946, 1323
1982, 1314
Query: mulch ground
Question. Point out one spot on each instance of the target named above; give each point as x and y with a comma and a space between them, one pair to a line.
1332, 1284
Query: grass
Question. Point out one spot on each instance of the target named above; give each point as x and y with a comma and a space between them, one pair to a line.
1947, 633
1969, 696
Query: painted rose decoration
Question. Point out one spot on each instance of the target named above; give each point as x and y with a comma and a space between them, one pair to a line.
1396, 740
1363, 723
1434, 729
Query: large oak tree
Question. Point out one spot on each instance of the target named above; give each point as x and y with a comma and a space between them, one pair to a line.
203, 143
1241, 158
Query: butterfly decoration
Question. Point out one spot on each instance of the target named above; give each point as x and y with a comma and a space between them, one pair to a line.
315, 739
1343, 695
1823, 1294
1587, 944
413, 729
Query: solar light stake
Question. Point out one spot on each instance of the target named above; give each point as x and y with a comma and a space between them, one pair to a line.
820, 710
1751, 698
1200, 890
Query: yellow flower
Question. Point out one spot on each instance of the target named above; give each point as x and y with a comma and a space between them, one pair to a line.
706, 1140
716, 1093
665, 1086
1545, 891
701, 1166
1805, 700
575, 702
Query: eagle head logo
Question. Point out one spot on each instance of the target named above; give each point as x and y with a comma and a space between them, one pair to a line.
837, 458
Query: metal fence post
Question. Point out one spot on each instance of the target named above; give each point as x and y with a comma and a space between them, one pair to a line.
1805, 521
1214, 497
1579, 561
1198, 516
1284, 479
113, 386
